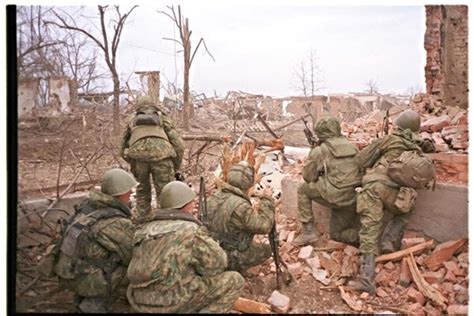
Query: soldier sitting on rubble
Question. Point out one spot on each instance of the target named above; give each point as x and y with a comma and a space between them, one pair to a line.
176, 267
331, 174
96, 246
233, 221
381, 192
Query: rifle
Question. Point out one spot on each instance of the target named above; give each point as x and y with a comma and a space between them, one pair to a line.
279, 264
202, 210
313, 142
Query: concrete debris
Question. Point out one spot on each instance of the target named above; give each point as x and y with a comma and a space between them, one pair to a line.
305, 252
280, 303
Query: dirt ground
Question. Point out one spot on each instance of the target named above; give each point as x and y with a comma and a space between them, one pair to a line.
79, 148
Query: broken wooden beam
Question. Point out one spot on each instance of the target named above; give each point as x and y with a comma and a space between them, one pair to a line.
260, 118
208, 138
292, 122
247, 306
398, 255
425, 288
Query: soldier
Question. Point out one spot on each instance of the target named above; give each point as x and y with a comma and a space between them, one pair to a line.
380, 192
152, 146
331, 174
233, 221
96, 246
176, 267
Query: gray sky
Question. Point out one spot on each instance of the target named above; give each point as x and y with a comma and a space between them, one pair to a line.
257, 46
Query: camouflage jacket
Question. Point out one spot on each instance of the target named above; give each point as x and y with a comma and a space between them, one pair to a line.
171, 254
378, 154
335, 170
110, 231
170, 145
234, 222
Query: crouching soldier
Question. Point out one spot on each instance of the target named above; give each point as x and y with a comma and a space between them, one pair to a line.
96, 246
331, 174
176, 267
384, 190
233, 221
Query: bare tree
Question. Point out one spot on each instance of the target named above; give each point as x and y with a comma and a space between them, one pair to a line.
108, 48
182, 24
309, 75
372, 86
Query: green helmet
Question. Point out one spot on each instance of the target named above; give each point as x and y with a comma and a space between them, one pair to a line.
117, 182
176, 194
145, 102
241, 175
327, 127
408, 119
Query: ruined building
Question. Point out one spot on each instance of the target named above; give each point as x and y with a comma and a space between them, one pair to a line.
446, 44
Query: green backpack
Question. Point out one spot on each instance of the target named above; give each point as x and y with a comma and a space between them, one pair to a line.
413, 169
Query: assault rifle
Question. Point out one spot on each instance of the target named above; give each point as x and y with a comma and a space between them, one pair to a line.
313, 142
202, 210
279, 264
385, 123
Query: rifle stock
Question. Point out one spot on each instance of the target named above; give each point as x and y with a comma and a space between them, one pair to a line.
309, 134
273, 238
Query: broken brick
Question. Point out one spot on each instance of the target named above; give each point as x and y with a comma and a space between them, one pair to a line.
443, 252
451, 266
389, 266
313, 263
290, 237
450, 276
305, 252
432, 311
283, 235
383, 278
457, 309
463, 259
381, 292
364, 296
280, 303
351, 250
335, 245
436, 123
296, 269
415, 309
434, 276
405, 275
416, 296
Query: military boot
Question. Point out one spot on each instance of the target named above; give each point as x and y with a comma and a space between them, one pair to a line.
307, 236
392, 235
366, 281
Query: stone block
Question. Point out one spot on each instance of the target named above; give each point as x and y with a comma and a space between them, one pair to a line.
280, 303
458, 309
305, 252
416, 296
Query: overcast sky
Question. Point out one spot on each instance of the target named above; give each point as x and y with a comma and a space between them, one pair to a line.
257, 46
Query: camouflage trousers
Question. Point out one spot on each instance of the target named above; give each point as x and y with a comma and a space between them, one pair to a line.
374, 198
216, 294
162, 173
254, 255
344, 222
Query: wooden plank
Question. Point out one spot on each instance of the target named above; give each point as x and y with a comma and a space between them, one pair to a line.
398, 255
247, 306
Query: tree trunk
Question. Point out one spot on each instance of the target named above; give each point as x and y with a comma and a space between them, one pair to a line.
188, 110
116, 109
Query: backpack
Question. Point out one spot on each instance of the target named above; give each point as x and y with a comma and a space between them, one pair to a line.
412, 169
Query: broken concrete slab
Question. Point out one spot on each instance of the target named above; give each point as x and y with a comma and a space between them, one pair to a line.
441, 214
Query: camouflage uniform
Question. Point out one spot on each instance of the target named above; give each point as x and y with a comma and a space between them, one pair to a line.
379, 192
154, 148
177, 268
87, 260
233, 222
331, 174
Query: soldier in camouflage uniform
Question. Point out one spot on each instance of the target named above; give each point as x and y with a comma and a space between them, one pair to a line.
380, 193
331, 174
176, 267
152, 146
233, 221
96, 247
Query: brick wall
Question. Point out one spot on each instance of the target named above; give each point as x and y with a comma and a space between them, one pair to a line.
446, 44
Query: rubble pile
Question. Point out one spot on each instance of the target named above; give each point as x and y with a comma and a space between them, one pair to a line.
415, 280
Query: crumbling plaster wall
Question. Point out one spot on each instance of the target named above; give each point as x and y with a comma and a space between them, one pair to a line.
59, 86
446, 44
28, 90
